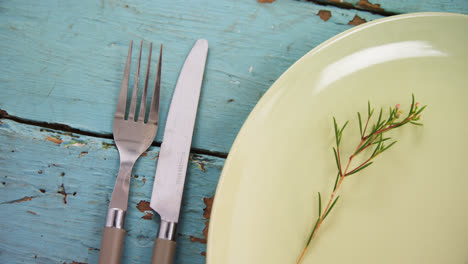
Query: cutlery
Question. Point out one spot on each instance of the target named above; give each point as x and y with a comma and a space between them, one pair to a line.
173, 157
132, 137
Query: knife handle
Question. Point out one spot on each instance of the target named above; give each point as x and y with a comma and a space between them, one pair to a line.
165, 243
111, 245
163, 251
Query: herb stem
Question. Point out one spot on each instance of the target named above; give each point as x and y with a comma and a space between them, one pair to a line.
366, 141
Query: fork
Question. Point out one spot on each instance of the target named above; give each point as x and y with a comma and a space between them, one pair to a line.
132, 137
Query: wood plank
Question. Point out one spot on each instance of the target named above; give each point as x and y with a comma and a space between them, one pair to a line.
40, 224
65, 60
403, 6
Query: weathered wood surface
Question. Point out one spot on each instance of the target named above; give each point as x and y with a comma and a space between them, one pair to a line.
53, 198
63, 62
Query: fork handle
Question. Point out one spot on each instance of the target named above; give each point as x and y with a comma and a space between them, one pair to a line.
111, 245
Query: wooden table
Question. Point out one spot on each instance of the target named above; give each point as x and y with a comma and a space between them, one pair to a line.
62, 67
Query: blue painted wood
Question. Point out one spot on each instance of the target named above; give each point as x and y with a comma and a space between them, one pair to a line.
405, 6
63, 62
37, 226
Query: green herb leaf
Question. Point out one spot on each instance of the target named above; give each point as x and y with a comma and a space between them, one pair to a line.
418, 124
420, 110
337, 160
383, 140
331, 207
336, 132
391, 144
412, 105
320, 205
390, 115
380, 118
360, 123
368, 109
360, 169
313, 230
341, 132
379, 144
336, 181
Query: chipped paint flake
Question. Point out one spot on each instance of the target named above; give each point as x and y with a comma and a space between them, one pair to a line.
143, 206
106, 145
75, 143
206, 214
63, 192
31, 212
197, 239
82, 154
54, 140
364, 4
148, 216
324, 15
24, 199
357, 21
266, 1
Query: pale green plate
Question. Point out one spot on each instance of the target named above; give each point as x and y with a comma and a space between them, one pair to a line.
410, 206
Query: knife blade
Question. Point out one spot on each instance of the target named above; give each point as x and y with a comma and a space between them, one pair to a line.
169, 180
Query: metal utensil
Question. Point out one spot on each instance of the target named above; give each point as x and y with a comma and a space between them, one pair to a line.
132, 137
172, 164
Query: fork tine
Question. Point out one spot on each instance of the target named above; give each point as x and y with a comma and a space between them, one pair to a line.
131, 114
122, 102
153, 116
141, 116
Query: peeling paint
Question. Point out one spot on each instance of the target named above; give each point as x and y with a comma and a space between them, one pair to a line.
266, 1
364, 4
143, 206
24, 199
197, 160
54, 140
324, 15
31, 212
75, 143
209, 204
63, 192
206, 214
357, 21
107, 145
82, 154
148, 216
144, 154
197, 239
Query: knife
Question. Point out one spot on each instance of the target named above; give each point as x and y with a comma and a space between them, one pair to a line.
173, 157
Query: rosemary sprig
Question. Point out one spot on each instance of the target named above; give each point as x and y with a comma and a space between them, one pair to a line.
373, 139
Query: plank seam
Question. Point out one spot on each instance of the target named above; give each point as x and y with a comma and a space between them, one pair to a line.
66, 128
349, 6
